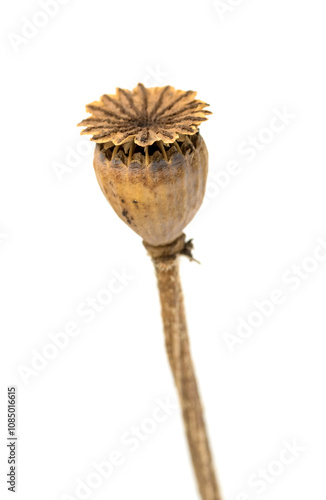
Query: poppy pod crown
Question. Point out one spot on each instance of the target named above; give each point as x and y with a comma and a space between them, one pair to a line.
150, 160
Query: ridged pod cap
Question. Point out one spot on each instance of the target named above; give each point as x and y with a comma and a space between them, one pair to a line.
150, 160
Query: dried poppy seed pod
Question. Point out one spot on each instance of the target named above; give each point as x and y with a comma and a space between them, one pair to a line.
151, 164
150, 160
159, 198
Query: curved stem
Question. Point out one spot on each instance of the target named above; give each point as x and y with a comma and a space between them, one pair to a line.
178, 350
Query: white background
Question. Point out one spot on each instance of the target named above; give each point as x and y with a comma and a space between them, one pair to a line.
60, 242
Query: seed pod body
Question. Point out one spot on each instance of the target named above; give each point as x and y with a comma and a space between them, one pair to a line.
150, 159
157, 198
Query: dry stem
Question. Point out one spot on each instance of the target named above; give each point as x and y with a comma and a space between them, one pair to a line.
178, 350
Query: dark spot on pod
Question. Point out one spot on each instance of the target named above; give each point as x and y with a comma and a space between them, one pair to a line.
134, 201
125, 214
122, 201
